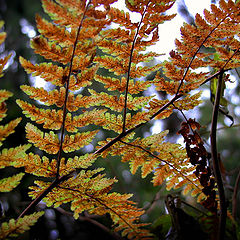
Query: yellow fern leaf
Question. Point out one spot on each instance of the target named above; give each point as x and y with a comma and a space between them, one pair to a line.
117, 103
7, 184
55, 32
113, 84
8, 129
13, 228
50, 50
78, 162
4, 95
61, 15
89, 117
38, 166
48, 71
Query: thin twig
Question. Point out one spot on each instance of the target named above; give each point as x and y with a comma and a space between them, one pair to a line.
92, 221
129, 68
196, 209
234, 198
222, 128
215, 161
148, 208
214, 75
54, 184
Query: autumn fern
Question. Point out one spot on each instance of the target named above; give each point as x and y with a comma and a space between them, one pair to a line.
78, 43
71, 41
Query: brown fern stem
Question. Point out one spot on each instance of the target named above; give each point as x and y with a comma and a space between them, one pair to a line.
214, 75
59, 178
129, 68
234, 198
114, 235
67, 91
215, 161
54, 184
123, 134
161, 160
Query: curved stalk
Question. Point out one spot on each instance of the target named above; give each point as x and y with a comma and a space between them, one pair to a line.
215, 161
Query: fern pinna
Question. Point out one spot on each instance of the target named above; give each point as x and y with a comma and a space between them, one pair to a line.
70, 43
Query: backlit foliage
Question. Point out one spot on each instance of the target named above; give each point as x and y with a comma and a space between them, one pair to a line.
78, 43
6, 160
11, 158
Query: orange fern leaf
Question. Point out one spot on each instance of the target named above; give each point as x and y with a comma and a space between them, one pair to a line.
75, 142
45, 141
51, 119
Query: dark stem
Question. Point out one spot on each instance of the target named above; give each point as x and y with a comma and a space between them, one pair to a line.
92, 221
234, 204
123, 134
215, 161
234, 199
214, 76
59, 178
129, 69
67, 91
54, 184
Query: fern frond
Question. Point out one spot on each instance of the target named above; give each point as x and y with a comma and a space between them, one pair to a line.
187, 103
167, 161
7, 184
61, 15
55, 32
78, 162
113, 84
117, 103
51, 50
4, 95
15, 227
39, 166
214, 31
89, 117
2, 34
